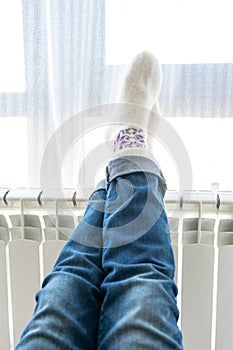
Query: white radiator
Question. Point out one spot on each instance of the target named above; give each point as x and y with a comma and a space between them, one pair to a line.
202, 238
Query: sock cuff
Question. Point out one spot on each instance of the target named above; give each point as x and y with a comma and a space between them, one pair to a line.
130, 138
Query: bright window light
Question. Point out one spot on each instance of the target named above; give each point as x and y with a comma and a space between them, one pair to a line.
176, 31
12, 74
208, 142
13, 152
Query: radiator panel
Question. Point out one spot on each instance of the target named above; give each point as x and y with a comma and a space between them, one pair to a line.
24, 280
4, 317
51, 250
197, 296
224, 333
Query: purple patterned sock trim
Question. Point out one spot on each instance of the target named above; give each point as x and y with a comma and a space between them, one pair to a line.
129, 138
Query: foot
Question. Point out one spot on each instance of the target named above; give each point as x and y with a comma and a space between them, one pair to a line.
139, 94
142, 82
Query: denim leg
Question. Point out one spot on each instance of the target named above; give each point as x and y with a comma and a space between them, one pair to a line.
68, 305
139, 310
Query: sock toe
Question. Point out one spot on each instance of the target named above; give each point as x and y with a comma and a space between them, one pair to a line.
143, 81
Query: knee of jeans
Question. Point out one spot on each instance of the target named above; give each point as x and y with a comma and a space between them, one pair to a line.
64, 287
54, 287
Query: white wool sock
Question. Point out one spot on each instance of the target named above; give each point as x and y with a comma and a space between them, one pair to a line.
132, 141
139, 94
130, 138
142, 81
140, 88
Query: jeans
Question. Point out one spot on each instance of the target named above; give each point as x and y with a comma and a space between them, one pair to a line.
112, 286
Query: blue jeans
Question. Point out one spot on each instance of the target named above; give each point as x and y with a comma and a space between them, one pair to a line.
112, 286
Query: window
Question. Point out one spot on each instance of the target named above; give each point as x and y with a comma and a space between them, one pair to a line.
208, 142
13, 152
12, 75
74, 55
192, 41
177, 31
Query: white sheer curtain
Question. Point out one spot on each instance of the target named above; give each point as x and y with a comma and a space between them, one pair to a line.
66, 71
